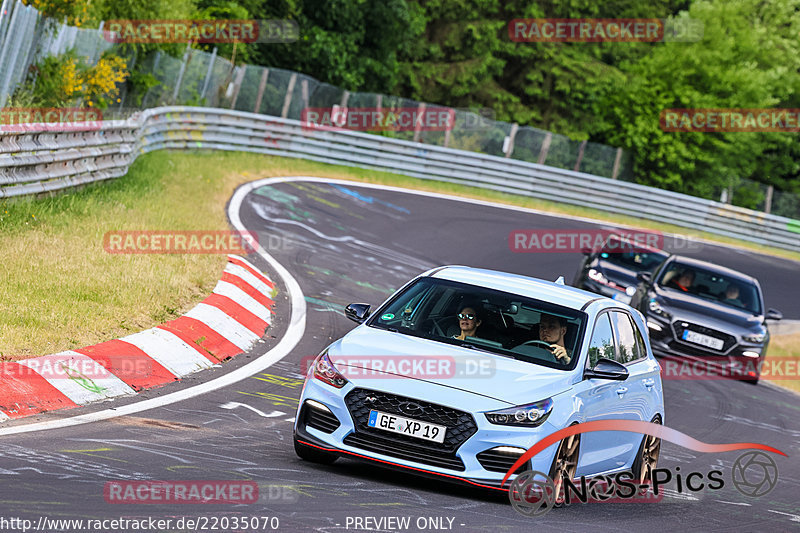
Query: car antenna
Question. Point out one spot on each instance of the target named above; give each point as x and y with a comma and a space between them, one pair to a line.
560, 280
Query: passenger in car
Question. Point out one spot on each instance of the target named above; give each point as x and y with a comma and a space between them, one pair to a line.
552, 329
468, 322
732, 295
682, 282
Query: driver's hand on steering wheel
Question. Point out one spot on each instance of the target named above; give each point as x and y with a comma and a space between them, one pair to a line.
561, 353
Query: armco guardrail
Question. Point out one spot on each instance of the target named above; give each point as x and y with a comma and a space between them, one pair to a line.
42, 161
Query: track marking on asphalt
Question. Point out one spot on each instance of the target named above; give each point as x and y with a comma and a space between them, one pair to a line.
234, 405
297, 321
293, 335
794, 517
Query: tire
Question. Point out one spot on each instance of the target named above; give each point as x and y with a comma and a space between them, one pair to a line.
313, 455
647, 457
565, 462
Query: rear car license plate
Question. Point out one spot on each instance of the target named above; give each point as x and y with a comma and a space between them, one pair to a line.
703, 340
406, 426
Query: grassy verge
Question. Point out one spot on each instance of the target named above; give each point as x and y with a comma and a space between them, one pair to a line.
61, 290
784, 349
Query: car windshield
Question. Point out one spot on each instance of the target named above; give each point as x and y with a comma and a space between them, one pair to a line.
730, 291
637, 261
484, 319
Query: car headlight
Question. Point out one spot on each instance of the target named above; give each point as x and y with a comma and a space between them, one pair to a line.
529, 415
657, 309
325, 371
597, 276
755, 337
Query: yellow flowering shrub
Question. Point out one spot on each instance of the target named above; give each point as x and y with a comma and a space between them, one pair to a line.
100, 83
66, 80
75, 11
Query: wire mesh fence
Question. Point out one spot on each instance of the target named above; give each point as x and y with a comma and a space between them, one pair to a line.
201, 78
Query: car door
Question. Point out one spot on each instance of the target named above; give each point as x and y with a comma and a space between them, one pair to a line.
601, 451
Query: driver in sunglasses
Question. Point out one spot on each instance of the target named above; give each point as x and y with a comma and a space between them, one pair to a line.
468, 321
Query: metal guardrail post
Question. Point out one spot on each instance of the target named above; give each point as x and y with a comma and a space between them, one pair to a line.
287, 101
187, 56
579, 160
509, 149
208, 73
617, 161
418, 122
304, 92
545, 148
6, 53
262, 85
768, 199
237, 85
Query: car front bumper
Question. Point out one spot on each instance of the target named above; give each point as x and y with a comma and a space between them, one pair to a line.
487, 437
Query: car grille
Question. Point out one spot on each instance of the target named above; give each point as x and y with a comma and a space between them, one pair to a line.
495, 461
460, 426
728, 340
319, 419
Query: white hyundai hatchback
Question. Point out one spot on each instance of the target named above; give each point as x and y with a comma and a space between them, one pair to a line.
462, 370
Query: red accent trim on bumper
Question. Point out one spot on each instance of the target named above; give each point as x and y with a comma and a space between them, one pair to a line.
459, 479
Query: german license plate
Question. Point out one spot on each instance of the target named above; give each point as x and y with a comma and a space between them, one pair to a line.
703, 340
406, 426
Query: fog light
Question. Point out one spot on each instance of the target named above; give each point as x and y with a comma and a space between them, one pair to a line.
510, 450
754, 355
316, 405
654, 326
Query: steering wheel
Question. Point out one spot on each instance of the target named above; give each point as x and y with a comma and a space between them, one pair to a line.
437, 328
533, 343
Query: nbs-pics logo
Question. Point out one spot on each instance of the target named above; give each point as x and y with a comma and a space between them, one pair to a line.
534, 494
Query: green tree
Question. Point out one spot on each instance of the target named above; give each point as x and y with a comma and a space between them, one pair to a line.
749, 58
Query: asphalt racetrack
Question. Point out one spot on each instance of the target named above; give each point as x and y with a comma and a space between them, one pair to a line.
345, 243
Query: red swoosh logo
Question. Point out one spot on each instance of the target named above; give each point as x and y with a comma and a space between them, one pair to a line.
635, 426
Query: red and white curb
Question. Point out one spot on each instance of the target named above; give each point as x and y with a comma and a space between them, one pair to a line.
225, 324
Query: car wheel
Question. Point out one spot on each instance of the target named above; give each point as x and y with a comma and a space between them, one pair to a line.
308, 453
565, 464
647, 458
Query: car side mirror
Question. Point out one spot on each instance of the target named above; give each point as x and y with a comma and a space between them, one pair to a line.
357, 312
774, 314
607, 369
645, 277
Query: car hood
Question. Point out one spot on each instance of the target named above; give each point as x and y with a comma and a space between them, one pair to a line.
381, 359
618, 274
707, 312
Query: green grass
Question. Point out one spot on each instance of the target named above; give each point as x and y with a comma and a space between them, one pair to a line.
61, 290
785, 348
